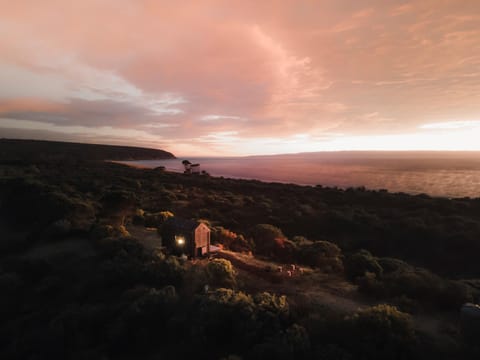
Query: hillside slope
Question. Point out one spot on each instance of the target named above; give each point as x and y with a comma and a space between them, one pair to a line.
12, 150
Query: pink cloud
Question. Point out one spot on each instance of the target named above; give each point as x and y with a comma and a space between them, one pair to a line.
284, 68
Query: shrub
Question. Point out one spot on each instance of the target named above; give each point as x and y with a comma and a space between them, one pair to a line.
358, 264
422, 285
301, 240
268, 239
220, 273
38, 205
143, 320
455, 294
272, 313
117, 204
157, 219
382, 332
272, 303
139, 217
104, 230
293, 343
231, 240
370, 284
390, 265
322, 254
236, 322
224, 317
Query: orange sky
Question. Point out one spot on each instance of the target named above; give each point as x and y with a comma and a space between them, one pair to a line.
243, 77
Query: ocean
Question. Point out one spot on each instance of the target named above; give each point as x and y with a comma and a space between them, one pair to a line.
446, 174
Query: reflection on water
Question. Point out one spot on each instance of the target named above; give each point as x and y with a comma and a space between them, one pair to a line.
451, 174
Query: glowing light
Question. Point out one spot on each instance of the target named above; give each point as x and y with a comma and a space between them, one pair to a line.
180, 240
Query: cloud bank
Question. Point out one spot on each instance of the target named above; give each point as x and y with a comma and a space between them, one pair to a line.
241, 77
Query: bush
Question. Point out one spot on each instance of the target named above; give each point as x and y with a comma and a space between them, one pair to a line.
144, 320
272, 303
290, 344
157, 219
268, 239
220, 273
390, 265
235, 322
38, 205
103, 230
427, 288
117, 204
139, 217
231, 240
358, 264
224, 317
322, 254
382, 332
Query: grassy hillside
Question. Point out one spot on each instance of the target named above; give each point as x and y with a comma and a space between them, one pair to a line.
12, 150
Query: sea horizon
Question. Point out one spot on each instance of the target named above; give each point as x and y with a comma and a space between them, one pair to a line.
449, 174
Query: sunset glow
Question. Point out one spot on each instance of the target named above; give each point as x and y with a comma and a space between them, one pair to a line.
243, 77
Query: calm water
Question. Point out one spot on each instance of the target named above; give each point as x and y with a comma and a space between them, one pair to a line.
451, 174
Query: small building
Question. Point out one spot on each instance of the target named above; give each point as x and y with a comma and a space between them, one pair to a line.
189, 237
195, 169
191, 168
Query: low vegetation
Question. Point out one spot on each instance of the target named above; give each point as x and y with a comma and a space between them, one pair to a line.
75, 283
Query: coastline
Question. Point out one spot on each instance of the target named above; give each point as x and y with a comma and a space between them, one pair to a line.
413, 178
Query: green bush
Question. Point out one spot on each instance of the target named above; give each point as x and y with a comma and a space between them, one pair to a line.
157, 219
230, 240
224, 317
236, 321
293, 343
220, 273
103, 230
268, 239
426, 288
322, 254
381, 332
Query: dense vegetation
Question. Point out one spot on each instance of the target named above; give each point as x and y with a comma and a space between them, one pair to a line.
75, 284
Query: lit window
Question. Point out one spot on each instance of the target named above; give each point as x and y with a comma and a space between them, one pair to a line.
180, 240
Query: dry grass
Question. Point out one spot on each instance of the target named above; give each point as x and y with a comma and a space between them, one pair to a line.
309, 287
315, 291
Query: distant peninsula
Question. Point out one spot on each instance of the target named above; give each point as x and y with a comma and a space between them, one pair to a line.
15, 150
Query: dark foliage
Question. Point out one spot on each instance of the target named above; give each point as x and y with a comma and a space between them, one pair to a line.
76, 285
12, 151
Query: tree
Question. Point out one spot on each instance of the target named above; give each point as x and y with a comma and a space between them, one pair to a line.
268, 239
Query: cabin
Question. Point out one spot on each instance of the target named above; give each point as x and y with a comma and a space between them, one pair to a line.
189, 237
195, 168
191, 168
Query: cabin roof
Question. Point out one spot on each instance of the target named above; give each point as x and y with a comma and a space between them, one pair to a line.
181, 224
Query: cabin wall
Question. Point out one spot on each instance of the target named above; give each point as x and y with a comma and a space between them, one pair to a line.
202, 240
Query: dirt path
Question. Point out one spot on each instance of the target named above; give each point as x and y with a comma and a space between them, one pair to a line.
326, 290
329, 290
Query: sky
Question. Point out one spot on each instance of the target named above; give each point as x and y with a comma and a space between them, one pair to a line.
227, 78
